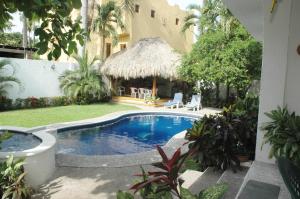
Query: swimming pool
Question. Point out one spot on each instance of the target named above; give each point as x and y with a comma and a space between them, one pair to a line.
126, 135
19, 141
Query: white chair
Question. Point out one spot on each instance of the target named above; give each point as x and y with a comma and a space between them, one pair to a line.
121, 90
177, 101
134, 92
141, 93
195, 103
148, 93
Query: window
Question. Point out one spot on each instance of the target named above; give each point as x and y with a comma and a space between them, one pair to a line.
177, 21
122, 46
137, 8
152, 13
108, 49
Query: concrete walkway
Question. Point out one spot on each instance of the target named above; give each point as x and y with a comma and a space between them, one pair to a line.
97, 183
88, 183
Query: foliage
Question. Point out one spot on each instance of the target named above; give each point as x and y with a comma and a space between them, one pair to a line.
164, 183
11, 39
57, 32
106, 23
214, 192
84, 84
283, 134
225, 52
217, 140
12, 182
6, 79
165, 180
213, 142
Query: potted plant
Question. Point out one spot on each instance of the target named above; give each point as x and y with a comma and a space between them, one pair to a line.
283, 134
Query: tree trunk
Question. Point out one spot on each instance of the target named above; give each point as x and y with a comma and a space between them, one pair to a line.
25, 37
217, 93
227, 92
102, 48
84, 14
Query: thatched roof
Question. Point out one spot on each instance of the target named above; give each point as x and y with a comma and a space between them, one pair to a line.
148, 57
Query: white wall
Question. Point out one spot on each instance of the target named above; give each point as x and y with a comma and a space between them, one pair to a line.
39, 78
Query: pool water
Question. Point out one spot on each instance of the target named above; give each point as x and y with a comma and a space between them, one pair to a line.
19, 142
128, 135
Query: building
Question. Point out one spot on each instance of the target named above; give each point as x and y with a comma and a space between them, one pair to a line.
151, 18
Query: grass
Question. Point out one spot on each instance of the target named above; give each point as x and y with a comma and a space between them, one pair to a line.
45, 116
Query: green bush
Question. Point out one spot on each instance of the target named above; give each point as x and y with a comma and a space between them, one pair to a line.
218, 140
12, 180
5, 104
283, 134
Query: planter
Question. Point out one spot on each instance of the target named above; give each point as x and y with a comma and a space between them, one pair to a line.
243, 158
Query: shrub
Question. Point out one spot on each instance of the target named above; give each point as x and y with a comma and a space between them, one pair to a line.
12, 182
283, 134
164, 183
84, 84
217, 140
5, 103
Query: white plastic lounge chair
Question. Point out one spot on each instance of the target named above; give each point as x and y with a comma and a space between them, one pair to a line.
147, 93
134, 92
177, 101
121, 90
141, 93
195, 103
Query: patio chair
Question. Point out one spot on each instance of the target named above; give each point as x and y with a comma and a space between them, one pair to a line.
148, 93
141, 93
134, 92
176, 102
121, 90
195, 103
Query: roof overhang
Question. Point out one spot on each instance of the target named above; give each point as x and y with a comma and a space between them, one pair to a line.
250, 14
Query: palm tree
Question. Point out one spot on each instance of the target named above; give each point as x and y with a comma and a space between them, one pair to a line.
6, 80
193, 18
106, 23
84, 14
128, 5
85, 83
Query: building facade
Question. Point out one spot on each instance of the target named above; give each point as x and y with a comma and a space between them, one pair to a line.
151, 18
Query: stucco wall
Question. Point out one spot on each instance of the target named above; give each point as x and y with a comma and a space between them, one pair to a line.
39, 78
141, 25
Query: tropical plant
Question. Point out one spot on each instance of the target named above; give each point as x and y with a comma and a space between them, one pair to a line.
213, 142
128, 5
107, 22
85, 83
57, 32
12, 182
165, 184
283, 134
6, 80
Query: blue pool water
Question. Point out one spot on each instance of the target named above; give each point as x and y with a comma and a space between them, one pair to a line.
128, 135
19, 142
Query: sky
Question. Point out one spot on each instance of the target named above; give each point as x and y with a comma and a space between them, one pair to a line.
182, 3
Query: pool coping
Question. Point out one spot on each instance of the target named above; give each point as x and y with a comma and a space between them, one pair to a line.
47, 141
148, 157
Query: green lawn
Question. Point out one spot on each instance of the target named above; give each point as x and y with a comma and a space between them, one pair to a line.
44, 116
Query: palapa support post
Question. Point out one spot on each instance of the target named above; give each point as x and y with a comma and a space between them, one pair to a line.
154, 87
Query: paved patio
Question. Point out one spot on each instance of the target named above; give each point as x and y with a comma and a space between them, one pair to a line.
88, 183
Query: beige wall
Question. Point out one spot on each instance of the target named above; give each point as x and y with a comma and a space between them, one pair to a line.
163, 25
141, 25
